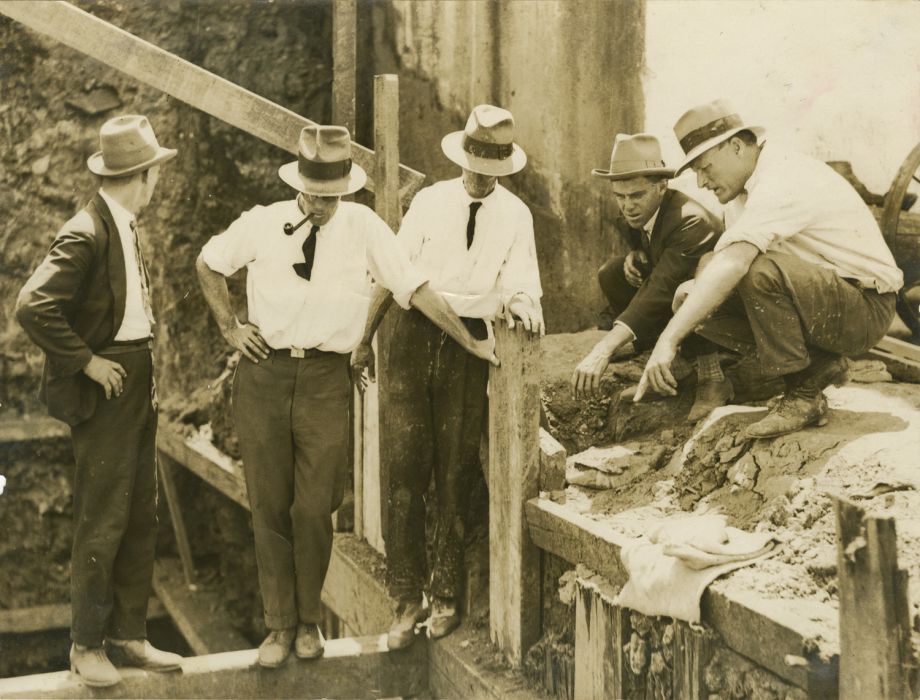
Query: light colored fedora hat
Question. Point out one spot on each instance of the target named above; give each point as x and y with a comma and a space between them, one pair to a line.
708, 125
635, 155
323, 166
486, 145
128, 145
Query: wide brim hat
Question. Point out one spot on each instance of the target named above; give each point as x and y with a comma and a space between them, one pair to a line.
486, 145
324, 166
636, 155
708, 125
127, 146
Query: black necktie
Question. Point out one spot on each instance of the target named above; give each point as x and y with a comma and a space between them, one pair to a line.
305, 268
471, 224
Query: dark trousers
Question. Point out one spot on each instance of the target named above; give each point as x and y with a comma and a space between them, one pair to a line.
115, 510
620, 293
441, 392
291, 417
789, 312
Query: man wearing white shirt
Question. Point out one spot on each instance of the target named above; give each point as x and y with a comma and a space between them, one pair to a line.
800, 279
88, 307
474, 240
310, 263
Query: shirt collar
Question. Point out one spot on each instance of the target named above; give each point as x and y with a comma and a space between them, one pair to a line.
762, 164
123, 218
650, 224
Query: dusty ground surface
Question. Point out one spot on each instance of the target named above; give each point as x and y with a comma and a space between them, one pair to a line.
867, 452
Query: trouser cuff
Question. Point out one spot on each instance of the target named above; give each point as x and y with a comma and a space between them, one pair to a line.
280, 622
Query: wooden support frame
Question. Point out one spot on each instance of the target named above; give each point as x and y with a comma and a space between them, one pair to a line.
57, 616
875, 640
165, 470
183, 80
514, 471
344, 62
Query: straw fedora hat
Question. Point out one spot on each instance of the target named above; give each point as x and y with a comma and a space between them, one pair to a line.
486, 145
128, 145
635, 156
708, 125
323, 166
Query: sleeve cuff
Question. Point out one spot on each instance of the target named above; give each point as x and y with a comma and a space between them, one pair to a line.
632, 332
404, 295
213, 259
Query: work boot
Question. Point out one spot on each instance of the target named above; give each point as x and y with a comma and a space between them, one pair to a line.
139, 653
797, 409
402, 632
92, 666
444, 618
822, 373
709, 396
276, 647
310, 643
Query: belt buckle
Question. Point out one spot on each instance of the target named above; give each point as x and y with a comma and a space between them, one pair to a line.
299, 353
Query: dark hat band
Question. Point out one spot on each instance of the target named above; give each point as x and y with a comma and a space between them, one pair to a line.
482, 149
710, 130
314, 170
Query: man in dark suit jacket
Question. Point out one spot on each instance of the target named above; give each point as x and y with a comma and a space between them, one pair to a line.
88, 307
667, 232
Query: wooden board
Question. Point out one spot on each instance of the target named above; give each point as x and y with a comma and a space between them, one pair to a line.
344, 59
183, 80
41, 618
514, 473
196, 611
350, 668
900, 368
900, 348
212, 466
598, 641
764, 631
552, 463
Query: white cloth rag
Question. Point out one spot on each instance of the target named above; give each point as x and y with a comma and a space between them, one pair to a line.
671, 567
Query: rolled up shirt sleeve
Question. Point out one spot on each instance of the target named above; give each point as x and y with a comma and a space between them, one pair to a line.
389, 262
520, 273
235, 248
770, 213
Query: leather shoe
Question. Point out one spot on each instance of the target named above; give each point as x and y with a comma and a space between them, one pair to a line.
92, 666
444, 618
402, 632
140, 653
709, 396
310, 643
275, 648
795, 410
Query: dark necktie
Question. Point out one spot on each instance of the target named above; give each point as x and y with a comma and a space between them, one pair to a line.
471, 224
305, 268
142, 273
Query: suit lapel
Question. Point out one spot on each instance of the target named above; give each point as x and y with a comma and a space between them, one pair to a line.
656, 243
116, 262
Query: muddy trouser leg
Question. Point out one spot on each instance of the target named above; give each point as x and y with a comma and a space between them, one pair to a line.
407, 449
793, 312
320, 427
460, 406
262, 401
616, 289
115, 522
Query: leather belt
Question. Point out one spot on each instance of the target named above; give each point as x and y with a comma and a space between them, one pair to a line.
121, 347
303, 354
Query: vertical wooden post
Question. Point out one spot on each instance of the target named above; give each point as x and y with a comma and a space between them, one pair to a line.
598, 665
358, 484
164, 468
875, 643
344, 34
387, 205
514, 470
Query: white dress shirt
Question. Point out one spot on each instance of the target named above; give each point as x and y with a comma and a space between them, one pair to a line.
135, 325
502, 262
328, 311
798, 205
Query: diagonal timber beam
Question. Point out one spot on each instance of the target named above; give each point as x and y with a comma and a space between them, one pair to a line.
358, 667
183, 80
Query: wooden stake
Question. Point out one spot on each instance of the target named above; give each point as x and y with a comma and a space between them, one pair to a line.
514, 472
344, 31
164, 467
875, 643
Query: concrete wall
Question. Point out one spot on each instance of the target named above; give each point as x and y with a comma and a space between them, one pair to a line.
570, 73
838, 80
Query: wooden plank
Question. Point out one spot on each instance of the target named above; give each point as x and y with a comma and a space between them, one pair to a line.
875, 642
901, 348
691, 652
350, 668
205, 461
598, 641
552, 463
196, 611
344, 58
33, 428
900, 368
514, 472
42, 618
164, 468
354, 588
358, 469
764, 631
386, 143
183, 80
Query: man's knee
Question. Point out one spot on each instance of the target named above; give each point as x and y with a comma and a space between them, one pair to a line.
764, 275
610, 276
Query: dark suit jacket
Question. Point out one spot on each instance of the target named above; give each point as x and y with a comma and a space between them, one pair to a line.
73, 305
683, 231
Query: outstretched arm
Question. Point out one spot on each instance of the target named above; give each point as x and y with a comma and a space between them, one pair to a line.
712, 287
